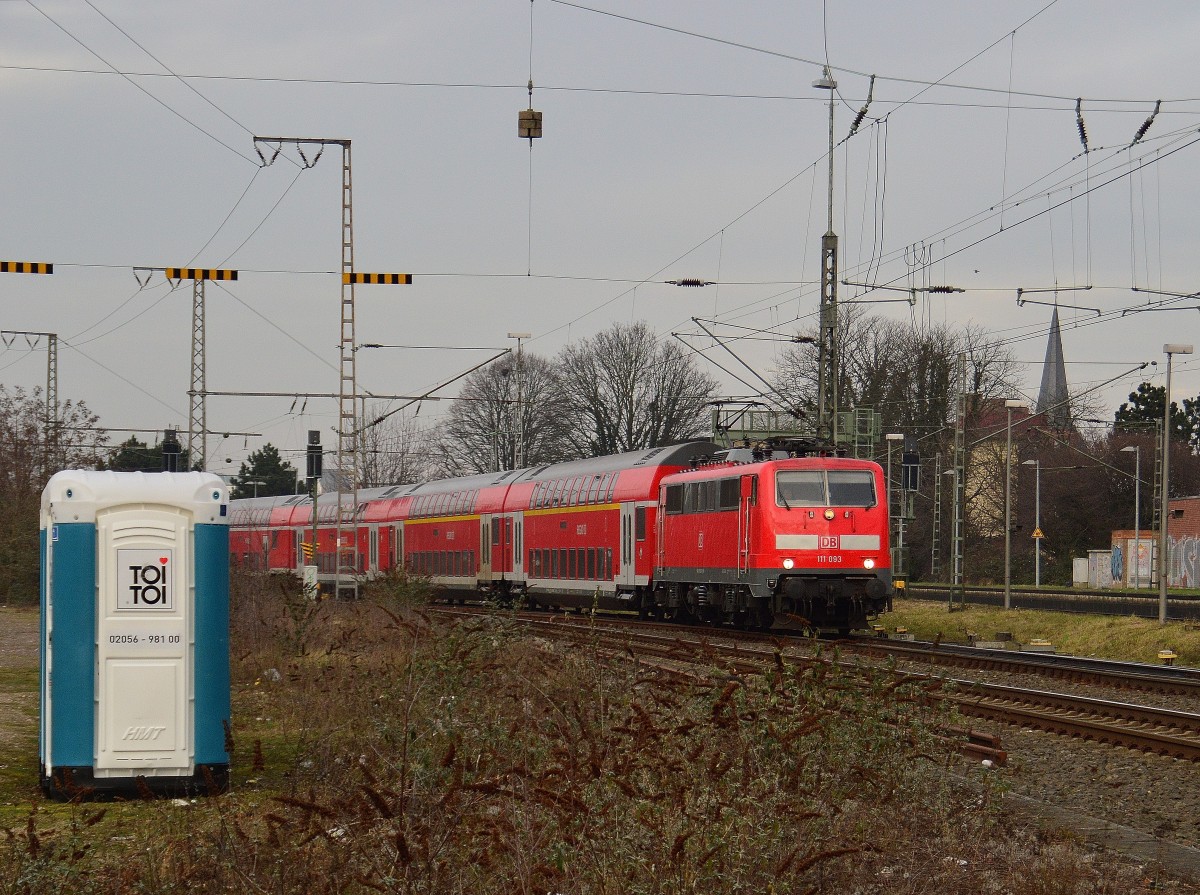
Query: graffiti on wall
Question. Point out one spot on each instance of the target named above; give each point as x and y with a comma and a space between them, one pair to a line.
1183, 566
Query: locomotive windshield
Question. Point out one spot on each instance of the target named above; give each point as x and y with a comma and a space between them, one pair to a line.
825, 488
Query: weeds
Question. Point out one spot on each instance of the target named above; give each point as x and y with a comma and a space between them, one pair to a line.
402, 755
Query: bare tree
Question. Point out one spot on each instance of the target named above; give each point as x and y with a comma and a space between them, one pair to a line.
397, 450
487, 420
908, 374
625, 390
26, 464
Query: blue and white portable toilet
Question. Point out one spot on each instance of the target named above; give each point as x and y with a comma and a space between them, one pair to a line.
135, 633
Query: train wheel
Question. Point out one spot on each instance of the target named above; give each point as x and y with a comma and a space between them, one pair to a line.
763, 617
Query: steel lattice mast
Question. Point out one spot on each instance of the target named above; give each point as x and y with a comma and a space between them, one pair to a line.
827, 341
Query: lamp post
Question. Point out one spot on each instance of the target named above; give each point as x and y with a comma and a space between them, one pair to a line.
1036, 463
1170, 349
255, 483
891, 438
1137, 508
1008, 406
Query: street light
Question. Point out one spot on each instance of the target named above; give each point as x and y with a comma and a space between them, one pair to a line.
1008, 406
891, 438
1036, 463
1170, 349
255, 483
1137, 508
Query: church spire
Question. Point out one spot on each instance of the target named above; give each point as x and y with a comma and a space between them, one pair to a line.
1053, 398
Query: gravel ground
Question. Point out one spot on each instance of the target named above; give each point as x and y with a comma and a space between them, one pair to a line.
1155, 795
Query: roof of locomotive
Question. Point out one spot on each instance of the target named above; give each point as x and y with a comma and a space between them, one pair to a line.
723, 466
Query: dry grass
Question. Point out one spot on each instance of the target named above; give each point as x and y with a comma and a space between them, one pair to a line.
393, 754
1104, 636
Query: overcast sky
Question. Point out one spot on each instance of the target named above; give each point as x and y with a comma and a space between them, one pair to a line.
682, 140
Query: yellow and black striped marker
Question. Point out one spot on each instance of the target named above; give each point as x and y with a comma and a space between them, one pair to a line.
200, 273
379, 279
26, 267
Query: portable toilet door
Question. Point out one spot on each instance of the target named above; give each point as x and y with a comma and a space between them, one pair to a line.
135, 686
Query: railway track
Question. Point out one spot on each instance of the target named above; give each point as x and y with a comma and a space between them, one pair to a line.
1159, 731
1168, 680
678, 651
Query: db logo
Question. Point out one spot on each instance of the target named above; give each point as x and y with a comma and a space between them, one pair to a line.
829, 542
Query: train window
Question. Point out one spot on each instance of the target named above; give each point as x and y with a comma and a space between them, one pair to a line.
607, 576
639, 523
610, 486
591, 562
582, 562
851, 488
800, 488
729, 494
570, 564
674, 500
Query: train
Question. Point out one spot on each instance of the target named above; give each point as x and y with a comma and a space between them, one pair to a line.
778, 535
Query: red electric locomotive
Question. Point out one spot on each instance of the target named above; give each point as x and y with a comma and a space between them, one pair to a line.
789, 540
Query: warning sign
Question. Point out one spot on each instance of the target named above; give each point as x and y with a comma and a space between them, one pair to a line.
144, 579
1037, 533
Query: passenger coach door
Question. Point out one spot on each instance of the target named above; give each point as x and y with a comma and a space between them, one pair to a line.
627, 574
502, 540
749, 496
518, 546
485, 546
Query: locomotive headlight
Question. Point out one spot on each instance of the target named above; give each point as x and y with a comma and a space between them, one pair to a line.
868, 563
788, 563
829, 514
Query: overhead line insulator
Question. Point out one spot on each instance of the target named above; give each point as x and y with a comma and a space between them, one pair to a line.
1083, 138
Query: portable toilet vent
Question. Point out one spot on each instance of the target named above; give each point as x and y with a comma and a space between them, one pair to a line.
135, 688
